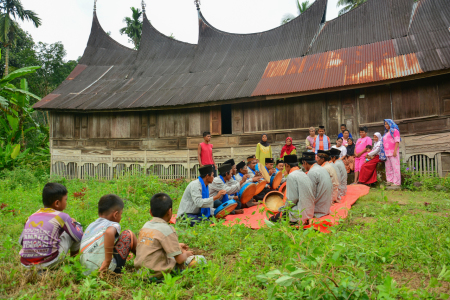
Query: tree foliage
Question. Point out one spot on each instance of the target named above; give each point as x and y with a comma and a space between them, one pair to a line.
301, 8
348, 5
133, 28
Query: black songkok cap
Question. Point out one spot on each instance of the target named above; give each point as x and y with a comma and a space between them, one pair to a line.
335, 152
240, 165
323, 152
269, 160
321, 127
206, 170
280, 161
250, 158
230, 162
224, 168
290, 159
309, 157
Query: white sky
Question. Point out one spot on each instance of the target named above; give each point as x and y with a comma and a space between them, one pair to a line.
69, 21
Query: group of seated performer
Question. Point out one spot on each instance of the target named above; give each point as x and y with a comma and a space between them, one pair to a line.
309, 194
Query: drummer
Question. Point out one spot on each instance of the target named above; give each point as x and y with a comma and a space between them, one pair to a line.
269, 166
222, 182
339, 166
234, 173
242, 170
197, 204
251, 164
323, 158
279, 165
299, 193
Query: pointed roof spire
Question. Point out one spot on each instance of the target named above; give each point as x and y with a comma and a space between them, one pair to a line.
143, 6
95, 5
197, 3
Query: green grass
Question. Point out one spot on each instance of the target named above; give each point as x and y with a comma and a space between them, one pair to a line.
392, 246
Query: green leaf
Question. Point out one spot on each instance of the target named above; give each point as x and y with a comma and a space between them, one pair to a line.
15, 152
299, 273
19, 73
273, 273
268, 223
284, 280
19, 91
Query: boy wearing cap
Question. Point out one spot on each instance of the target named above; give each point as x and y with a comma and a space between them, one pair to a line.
339, 166
323, 158
299, 193
322, 142
220, 183
196, 203
322, 186
279, 166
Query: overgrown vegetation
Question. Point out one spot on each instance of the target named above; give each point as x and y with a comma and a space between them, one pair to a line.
394, 245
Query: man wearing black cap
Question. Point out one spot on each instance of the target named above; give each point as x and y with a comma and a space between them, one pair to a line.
323, 158
220, 183
234, 172
279, 166
255, 176
339, 166
322, 142
299, 193
322, 186
196, 203
269, 166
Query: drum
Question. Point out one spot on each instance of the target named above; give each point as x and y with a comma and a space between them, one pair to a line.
264, 173
260, 186
273, 201
282, 188
247, 192
225, 209
275, 180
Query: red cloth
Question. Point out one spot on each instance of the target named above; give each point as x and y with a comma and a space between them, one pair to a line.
206, 154
287, 149
368, 174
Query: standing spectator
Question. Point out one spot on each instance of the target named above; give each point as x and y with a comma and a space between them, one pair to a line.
288, 148
349, 160
346, 137
310, 139
343, 129
360, 149
368, 173
340, 147
390, 152
263, 150
322, 142
205, 154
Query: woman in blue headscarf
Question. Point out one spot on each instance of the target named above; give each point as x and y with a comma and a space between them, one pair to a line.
390, 152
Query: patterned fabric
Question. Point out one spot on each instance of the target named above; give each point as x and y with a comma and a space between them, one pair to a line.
359, 162
206, 211
122, 250
392, 128
263, 152
322, 143
40, 237
92, 244
393, 173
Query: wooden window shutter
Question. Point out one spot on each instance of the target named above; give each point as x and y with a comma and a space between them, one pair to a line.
216, 121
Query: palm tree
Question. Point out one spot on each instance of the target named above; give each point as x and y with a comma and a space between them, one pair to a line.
134, 27
10, 11
348, 5
301, 7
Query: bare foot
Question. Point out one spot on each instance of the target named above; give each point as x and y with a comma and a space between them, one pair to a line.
238, 211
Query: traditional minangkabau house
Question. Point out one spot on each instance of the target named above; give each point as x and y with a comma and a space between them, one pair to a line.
124, 109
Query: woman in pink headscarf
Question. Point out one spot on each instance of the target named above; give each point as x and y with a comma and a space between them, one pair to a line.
288, 149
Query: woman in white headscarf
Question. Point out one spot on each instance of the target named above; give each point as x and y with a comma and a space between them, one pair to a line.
368, 174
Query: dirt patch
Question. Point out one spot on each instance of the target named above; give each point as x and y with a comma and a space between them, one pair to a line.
416, 281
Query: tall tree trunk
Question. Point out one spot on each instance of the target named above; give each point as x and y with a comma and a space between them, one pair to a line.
6, 61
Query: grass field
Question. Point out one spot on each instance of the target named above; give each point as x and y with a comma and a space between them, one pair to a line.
394, 245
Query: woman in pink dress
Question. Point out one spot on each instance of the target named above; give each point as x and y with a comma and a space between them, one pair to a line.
360, 149
390, 152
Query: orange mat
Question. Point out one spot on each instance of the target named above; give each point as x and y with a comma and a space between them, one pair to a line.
254, 217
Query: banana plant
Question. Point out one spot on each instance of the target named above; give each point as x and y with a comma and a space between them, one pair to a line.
11, 154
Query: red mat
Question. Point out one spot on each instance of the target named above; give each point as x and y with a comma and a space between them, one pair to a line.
254, 217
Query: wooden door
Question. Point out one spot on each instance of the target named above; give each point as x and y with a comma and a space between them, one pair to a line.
216, 121
348, 112
333, 113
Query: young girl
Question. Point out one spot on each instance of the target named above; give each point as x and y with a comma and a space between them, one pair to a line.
349, 160
390, 152
263, 149
345, 138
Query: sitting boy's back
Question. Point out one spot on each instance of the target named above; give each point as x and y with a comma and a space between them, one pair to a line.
49, 233
158, 248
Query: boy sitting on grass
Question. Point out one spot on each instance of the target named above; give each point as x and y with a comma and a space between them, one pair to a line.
49, 233
103, 247
158, 248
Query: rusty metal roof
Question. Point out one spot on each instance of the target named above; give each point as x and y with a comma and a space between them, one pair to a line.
379, 40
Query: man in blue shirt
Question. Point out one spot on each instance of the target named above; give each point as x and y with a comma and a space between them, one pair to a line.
344, 128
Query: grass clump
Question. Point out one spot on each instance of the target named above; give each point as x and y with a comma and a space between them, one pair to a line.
393, 245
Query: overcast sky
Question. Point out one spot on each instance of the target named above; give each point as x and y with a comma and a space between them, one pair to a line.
69, 21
